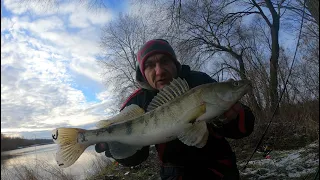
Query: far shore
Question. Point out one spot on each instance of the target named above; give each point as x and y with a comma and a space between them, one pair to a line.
5, 153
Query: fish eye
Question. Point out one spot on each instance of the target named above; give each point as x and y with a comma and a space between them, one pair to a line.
235, 83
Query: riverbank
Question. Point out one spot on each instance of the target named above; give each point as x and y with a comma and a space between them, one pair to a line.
296, 164
14, 143
148, 170
14, 152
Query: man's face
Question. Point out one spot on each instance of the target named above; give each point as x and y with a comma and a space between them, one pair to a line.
159, 70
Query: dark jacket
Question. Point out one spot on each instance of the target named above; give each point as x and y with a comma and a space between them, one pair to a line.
214, 161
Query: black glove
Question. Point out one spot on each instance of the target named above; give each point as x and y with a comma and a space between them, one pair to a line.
134, 160
103, 147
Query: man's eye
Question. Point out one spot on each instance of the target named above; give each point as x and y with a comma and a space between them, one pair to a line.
148, 65
165, 61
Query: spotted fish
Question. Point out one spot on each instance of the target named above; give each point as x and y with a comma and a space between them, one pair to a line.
175, 112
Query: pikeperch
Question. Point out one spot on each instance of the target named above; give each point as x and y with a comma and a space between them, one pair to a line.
175, 112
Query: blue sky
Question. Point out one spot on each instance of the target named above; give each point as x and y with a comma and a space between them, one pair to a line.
49, 72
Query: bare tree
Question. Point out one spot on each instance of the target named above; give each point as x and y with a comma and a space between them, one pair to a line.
310, 60
307, 8
120, 41
216, 27
206, 30
273, 23
272, 20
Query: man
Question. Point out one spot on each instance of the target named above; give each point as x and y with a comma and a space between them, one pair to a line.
158, 66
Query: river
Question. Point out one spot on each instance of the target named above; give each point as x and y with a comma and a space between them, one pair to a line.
40, 162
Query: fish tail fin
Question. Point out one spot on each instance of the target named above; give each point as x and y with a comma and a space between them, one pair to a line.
69, 150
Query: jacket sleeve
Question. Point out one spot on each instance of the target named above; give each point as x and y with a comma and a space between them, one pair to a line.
140, 155
239, 127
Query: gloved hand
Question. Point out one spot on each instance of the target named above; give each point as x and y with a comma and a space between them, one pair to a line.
103, 147
134, 160
233, 112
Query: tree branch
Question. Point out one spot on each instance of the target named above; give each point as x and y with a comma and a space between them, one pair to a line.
262, 13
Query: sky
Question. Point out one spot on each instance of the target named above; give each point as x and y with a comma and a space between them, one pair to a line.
49, 72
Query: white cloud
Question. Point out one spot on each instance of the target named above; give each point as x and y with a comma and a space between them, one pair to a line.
47, 24
87, 66
79, 14
78, 20
6, 24
82, 17
80, 47
36, 7
15, 6
38, 55
105, 95
18, 130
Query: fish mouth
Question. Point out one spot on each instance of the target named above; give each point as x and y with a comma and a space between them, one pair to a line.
162, 81
247, 87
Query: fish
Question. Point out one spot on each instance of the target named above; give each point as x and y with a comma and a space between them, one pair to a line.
177, 111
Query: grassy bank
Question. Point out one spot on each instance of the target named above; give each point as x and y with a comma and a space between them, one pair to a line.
41, 170
148, 170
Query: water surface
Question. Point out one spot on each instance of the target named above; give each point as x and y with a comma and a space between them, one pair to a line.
42, 160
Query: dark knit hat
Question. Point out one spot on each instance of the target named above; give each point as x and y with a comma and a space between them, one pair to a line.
153, 47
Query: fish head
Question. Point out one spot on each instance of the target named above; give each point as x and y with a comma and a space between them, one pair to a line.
225, 94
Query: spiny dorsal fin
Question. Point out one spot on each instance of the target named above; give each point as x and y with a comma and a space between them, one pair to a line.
128, 113
176, 88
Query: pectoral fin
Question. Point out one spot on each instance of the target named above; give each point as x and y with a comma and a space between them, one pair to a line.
212, 111
193, 114
122, 151
195, 135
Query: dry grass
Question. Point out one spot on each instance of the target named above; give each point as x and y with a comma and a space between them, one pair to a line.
148, 170
100, 169
297, 125
40, 169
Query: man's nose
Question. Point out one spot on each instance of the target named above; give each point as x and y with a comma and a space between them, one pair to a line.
159, 69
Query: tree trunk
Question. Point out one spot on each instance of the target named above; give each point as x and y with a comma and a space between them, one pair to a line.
243, 76
274, 56
274, 66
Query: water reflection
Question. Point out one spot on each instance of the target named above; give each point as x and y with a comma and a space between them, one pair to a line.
41, 159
